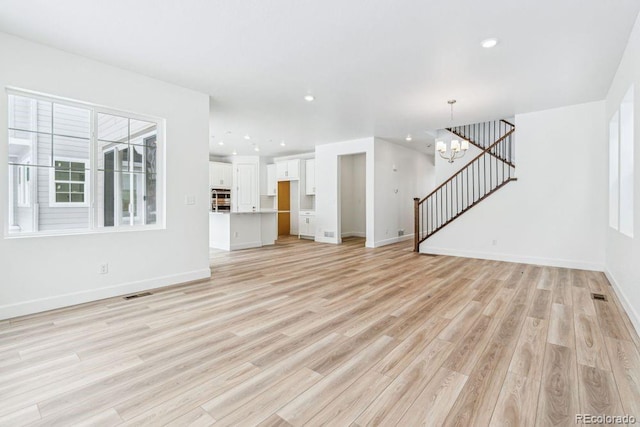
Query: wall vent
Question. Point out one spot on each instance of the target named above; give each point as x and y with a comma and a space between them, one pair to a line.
143, 294
329, 234
599, 297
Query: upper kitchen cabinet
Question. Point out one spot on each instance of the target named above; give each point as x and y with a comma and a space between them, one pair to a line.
288, 170
310, 177
245, 195
272, 181
220, 175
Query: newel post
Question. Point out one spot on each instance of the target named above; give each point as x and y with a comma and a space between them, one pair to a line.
416, 224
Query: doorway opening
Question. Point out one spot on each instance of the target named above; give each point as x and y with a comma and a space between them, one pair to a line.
352, 213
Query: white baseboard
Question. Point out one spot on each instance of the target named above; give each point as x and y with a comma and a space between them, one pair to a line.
631, 311
551, 262
50, 303
247, 245
331, 240
354, 234
393, 240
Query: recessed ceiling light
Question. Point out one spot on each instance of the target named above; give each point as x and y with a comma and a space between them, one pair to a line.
489, 43
221, 143
282, 144
234, 152
408, 138
247, 137
256, 148
309, 98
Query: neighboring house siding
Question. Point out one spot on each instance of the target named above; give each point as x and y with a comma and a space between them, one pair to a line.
68, 121
33, 144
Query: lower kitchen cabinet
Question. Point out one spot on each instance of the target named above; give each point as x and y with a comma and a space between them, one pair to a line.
307, 224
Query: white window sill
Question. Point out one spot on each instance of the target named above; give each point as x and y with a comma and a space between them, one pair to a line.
105, 230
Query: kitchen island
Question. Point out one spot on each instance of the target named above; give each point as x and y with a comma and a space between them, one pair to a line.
242, 230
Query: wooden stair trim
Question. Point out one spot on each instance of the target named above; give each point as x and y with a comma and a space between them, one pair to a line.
506, 135
480, 147
459, 214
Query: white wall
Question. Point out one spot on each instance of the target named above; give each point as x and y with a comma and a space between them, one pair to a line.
443, 169
394, 176
353, 195
294, 206
553, 214
42, 273
623, 252
400, 175
327, 192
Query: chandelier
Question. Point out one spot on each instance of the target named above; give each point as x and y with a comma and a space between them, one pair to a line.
457, 149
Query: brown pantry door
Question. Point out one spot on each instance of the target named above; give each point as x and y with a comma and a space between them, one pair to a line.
284, 206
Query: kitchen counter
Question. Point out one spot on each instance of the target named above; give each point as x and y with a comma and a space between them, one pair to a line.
242, 230
261, 211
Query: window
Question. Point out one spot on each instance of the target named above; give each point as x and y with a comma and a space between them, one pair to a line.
68, 183
78, 167
626, 164
614, 172
621, 166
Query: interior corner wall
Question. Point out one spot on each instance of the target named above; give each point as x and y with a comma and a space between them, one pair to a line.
42, 273
623, 252
327, 191
400, 175
353, 195
553, 214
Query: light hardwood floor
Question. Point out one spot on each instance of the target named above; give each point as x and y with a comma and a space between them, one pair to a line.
303, 333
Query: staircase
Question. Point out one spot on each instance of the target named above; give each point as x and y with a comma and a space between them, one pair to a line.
483, 175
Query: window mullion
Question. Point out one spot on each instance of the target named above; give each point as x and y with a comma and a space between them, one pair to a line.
73, 125
92, 173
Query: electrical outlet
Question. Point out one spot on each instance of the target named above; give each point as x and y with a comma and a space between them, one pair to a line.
103, 268
494, 243
400, 233
235, 234
189, 200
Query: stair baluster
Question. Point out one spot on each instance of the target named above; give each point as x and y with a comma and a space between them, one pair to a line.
489, 171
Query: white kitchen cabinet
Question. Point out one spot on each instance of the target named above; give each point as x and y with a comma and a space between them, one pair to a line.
246, 187
310, 177
288, 170
213, 174
307, 224
272, 181
220, 175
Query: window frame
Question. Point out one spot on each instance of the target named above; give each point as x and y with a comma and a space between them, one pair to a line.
92, 169
622, 166
614, 171
87, 184
626, 164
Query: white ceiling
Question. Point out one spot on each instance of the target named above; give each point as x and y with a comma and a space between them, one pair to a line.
376, 67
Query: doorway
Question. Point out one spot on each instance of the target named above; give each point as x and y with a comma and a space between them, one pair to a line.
352, 213
284, 208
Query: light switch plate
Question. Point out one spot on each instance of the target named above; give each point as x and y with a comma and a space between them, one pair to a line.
189, 200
